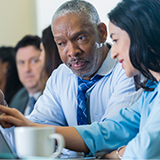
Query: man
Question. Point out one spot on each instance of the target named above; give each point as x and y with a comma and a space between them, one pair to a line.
80, 37
29, 70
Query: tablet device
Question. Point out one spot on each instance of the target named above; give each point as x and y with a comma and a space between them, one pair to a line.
5, 150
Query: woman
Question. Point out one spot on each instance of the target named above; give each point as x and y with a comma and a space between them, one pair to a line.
9, 81
49, 54
135, 30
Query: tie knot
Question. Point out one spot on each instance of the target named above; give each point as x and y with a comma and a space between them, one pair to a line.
83, 84
32, 101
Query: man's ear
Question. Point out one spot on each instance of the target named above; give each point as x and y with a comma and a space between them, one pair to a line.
102, 31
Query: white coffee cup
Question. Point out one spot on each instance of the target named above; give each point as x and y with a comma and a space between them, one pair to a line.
38, 142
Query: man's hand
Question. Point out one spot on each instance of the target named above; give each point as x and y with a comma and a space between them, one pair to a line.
13, 117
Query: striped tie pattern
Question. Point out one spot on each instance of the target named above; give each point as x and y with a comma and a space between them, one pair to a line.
83, 86
32, 102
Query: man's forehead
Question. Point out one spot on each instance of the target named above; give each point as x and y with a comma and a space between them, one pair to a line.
69, 17
27, 48
27, 54
72, 24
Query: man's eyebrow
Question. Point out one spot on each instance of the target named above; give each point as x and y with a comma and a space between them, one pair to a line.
36, 56
58, 37
33, 57
74, 35
79, 33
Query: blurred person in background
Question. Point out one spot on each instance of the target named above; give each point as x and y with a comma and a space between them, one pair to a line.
49, 55
9, 81
29, 68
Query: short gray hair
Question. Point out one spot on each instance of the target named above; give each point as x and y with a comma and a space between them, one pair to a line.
80, 7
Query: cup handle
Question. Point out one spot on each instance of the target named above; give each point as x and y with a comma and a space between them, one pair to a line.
60, 144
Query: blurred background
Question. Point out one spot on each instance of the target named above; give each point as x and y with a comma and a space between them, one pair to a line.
21, 17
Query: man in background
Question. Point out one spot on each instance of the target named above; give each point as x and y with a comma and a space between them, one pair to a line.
29, 70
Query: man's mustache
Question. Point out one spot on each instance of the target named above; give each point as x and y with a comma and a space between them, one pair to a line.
75, 60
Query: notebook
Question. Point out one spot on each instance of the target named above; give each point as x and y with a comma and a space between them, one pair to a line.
5, 150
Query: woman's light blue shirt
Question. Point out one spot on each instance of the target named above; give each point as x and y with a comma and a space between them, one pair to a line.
138, 127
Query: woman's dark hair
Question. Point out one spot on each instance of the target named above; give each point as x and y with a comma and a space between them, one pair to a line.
52, 58
141, 20
7, 54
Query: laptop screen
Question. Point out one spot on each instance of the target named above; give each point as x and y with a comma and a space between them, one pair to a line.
5, 150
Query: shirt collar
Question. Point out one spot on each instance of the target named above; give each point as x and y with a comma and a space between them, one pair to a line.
36, 95
108, 65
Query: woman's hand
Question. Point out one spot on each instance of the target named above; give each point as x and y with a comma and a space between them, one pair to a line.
113, 154
2, 101
13, 117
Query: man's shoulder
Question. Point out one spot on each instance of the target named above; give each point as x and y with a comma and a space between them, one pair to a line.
20, 98
21, 93
119, 75
63, 68
62, 71
118, 69
61, 77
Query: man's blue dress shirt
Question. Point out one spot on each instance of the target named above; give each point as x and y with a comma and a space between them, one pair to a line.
58, 104
138, 127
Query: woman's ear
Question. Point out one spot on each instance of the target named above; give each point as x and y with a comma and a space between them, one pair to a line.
102, 31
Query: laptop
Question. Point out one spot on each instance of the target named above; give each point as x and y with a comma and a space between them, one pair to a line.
5, 150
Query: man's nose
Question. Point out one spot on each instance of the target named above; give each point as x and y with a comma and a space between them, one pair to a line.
27, 67
73, 49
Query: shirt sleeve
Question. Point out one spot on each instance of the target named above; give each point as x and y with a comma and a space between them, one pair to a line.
112, 133
48, 108
146, 144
